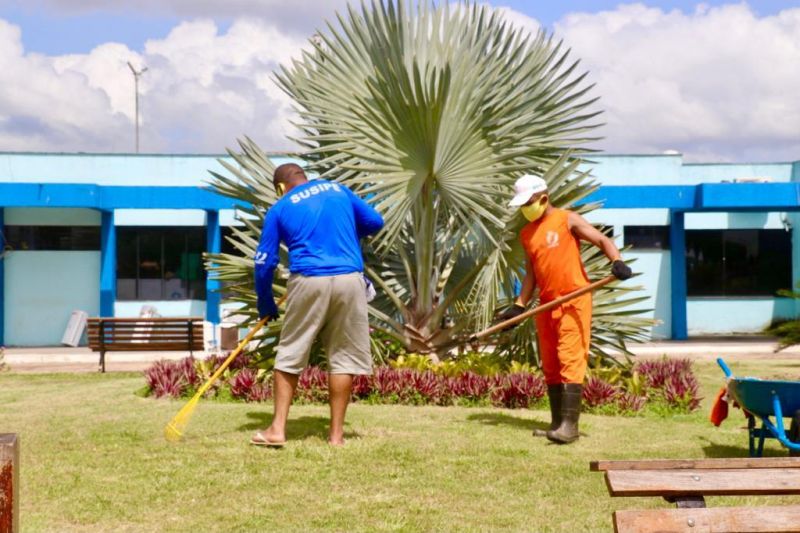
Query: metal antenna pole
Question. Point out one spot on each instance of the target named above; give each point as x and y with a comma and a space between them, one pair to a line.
136, 75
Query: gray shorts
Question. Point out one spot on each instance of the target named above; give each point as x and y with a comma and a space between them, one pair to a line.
333, 307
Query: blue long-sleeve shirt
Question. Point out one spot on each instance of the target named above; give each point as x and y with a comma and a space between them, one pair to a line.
321, 223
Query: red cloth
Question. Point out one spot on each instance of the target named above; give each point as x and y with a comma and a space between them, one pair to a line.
719, 411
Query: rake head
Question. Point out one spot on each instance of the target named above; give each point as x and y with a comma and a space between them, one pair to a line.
176, 427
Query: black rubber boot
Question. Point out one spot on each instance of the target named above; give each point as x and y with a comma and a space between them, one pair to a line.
554, 394
570, 413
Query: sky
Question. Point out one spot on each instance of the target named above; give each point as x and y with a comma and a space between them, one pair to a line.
716, 81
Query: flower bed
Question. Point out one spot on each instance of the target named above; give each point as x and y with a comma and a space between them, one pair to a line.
665, 385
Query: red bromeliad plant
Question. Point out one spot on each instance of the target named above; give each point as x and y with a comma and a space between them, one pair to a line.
630, 403
672, 384
312, 385
470, 386
517, 391
362, 387
597, 392
166, 378
242, 383
682, 391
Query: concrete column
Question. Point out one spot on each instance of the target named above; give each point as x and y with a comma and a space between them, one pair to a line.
677, 242
213, 246
794, 220
108, 264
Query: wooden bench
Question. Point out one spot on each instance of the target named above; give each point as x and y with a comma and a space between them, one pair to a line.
144, 334
9, 483
686, 483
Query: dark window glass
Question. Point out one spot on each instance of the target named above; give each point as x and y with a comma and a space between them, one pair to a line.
647, 237
53, 238
746, 262
227, 247
127, 263
160, 263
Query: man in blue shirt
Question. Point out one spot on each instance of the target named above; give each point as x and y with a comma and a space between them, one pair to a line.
321, 223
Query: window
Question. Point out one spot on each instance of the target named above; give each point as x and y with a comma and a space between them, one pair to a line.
227, 247
747, 262
53, 238
160, 263
647, 237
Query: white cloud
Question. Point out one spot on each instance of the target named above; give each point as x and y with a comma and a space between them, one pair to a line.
718, 83
201, 91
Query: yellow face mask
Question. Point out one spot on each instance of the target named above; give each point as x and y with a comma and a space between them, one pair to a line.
281, 187
535, 211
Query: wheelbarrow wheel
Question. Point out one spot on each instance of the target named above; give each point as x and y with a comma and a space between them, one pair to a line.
794, 433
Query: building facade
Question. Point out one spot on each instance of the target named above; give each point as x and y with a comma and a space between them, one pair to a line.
109, 234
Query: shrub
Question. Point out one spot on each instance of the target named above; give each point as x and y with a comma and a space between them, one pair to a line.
470, 386
386, 382
242, 383
312, 385
166, 378
260, 392
476, 362
628, 402
597, 393
520, 390
681, 392
670, 383
656, 372
431, 388
362, 387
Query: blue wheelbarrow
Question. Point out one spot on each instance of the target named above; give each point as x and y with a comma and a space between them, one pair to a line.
764, 399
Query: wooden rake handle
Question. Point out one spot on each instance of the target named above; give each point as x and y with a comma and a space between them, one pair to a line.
261, 323
540, 309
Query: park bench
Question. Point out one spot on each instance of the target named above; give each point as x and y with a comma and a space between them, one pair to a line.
144, 334
687, 482
9, 483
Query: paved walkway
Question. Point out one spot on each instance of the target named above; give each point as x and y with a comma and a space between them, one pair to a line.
64, 359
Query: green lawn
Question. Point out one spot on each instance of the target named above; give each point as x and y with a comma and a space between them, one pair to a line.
93, 459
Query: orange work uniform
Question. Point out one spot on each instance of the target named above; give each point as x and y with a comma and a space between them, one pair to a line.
564, 331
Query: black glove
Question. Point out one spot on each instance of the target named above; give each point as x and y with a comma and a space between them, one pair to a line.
620, 270
512, 312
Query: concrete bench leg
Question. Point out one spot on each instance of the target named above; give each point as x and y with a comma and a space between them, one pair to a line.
9, 483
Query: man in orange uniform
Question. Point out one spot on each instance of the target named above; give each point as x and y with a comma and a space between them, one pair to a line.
551, 242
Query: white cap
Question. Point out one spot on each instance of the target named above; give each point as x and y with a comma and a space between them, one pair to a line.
525, 187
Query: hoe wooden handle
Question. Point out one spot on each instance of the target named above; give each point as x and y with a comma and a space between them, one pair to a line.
542, 308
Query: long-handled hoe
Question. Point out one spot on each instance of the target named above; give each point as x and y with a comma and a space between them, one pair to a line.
536, 310
174, 430
511, 322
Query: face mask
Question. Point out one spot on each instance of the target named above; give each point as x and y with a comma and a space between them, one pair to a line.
281, 187
535, 211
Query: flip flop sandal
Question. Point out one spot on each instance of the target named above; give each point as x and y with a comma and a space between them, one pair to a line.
260, 440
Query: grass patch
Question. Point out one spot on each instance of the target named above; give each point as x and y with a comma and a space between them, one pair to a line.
94, 459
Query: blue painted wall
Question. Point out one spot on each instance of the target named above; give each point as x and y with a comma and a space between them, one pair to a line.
42, 289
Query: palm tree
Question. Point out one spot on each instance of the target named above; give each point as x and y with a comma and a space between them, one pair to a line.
431, 113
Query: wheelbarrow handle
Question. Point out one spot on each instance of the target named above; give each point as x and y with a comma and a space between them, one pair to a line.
724, 367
